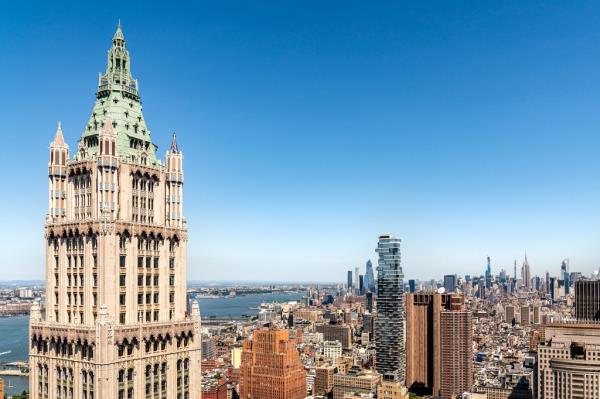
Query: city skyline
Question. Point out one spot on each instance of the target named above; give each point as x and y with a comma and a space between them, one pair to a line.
506, 165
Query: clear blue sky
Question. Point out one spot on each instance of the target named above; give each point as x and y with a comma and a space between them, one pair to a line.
308, 128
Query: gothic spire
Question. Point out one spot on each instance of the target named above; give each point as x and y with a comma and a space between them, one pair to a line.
119, 33
59, 139
174, 149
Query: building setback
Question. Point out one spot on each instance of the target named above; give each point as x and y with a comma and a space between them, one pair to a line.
271, 367
569, 362
116, 264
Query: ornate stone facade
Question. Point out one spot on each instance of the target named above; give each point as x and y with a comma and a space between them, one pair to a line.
116, 323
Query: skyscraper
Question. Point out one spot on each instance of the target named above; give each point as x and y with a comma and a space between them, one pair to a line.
349, 281
271, 367
369, 277
361, 284
587, 300
450, 282
525, 274
356, 280
389, 331
115, 241
488, 273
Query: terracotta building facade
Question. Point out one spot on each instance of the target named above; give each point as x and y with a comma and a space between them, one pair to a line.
116, 323
271, 367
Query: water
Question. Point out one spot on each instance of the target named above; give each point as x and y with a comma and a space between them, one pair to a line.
240, 305
14, 336
14, 333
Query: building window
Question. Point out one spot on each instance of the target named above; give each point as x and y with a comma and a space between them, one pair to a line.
122, 261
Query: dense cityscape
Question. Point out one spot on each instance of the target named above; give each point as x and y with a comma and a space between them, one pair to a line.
117, 317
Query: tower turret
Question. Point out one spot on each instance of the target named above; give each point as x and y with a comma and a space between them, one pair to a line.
174, 197
57, 175
107, 166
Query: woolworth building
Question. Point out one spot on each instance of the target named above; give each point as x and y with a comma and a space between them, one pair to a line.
116, 322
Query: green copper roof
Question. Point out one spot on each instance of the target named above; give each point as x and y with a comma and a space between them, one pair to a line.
118, 98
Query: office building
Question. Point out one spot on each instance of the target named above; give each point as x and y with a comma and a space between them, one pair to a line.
370, 283
509, 314
569, 362
456, 339
349, 283
412, 286
336, 332
271, 367
369, 302
450, 282
587, 300
423, 339
361, 284
236, 357
488, 273
526, 274
368, 324
323, 380
116, 266
209, 348
332, 350
525, 315
389, 323
391, 388
355, 381
214, 388
356, 280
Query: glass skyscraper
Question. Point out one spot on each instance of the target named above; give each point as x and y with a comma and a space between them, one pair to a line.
389, 332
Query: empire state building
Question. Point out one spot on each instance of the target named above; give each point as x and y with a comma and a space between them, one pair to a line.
116, 323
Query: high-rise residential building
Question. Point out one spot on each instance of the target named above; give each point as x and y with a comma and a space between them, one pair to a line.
587, 300
349, 283
456, 340
115, 242
525, 274
389, 323
271, 367
423, 339
547, 282
450, 282
370, 283
356, 280
323, 380
568, 362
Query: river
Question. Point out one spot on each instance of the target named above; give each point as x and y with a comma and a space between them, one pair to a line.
14, 330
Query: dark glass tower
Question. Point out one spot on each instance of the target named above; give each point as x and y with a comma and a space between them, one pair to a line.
389, 331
